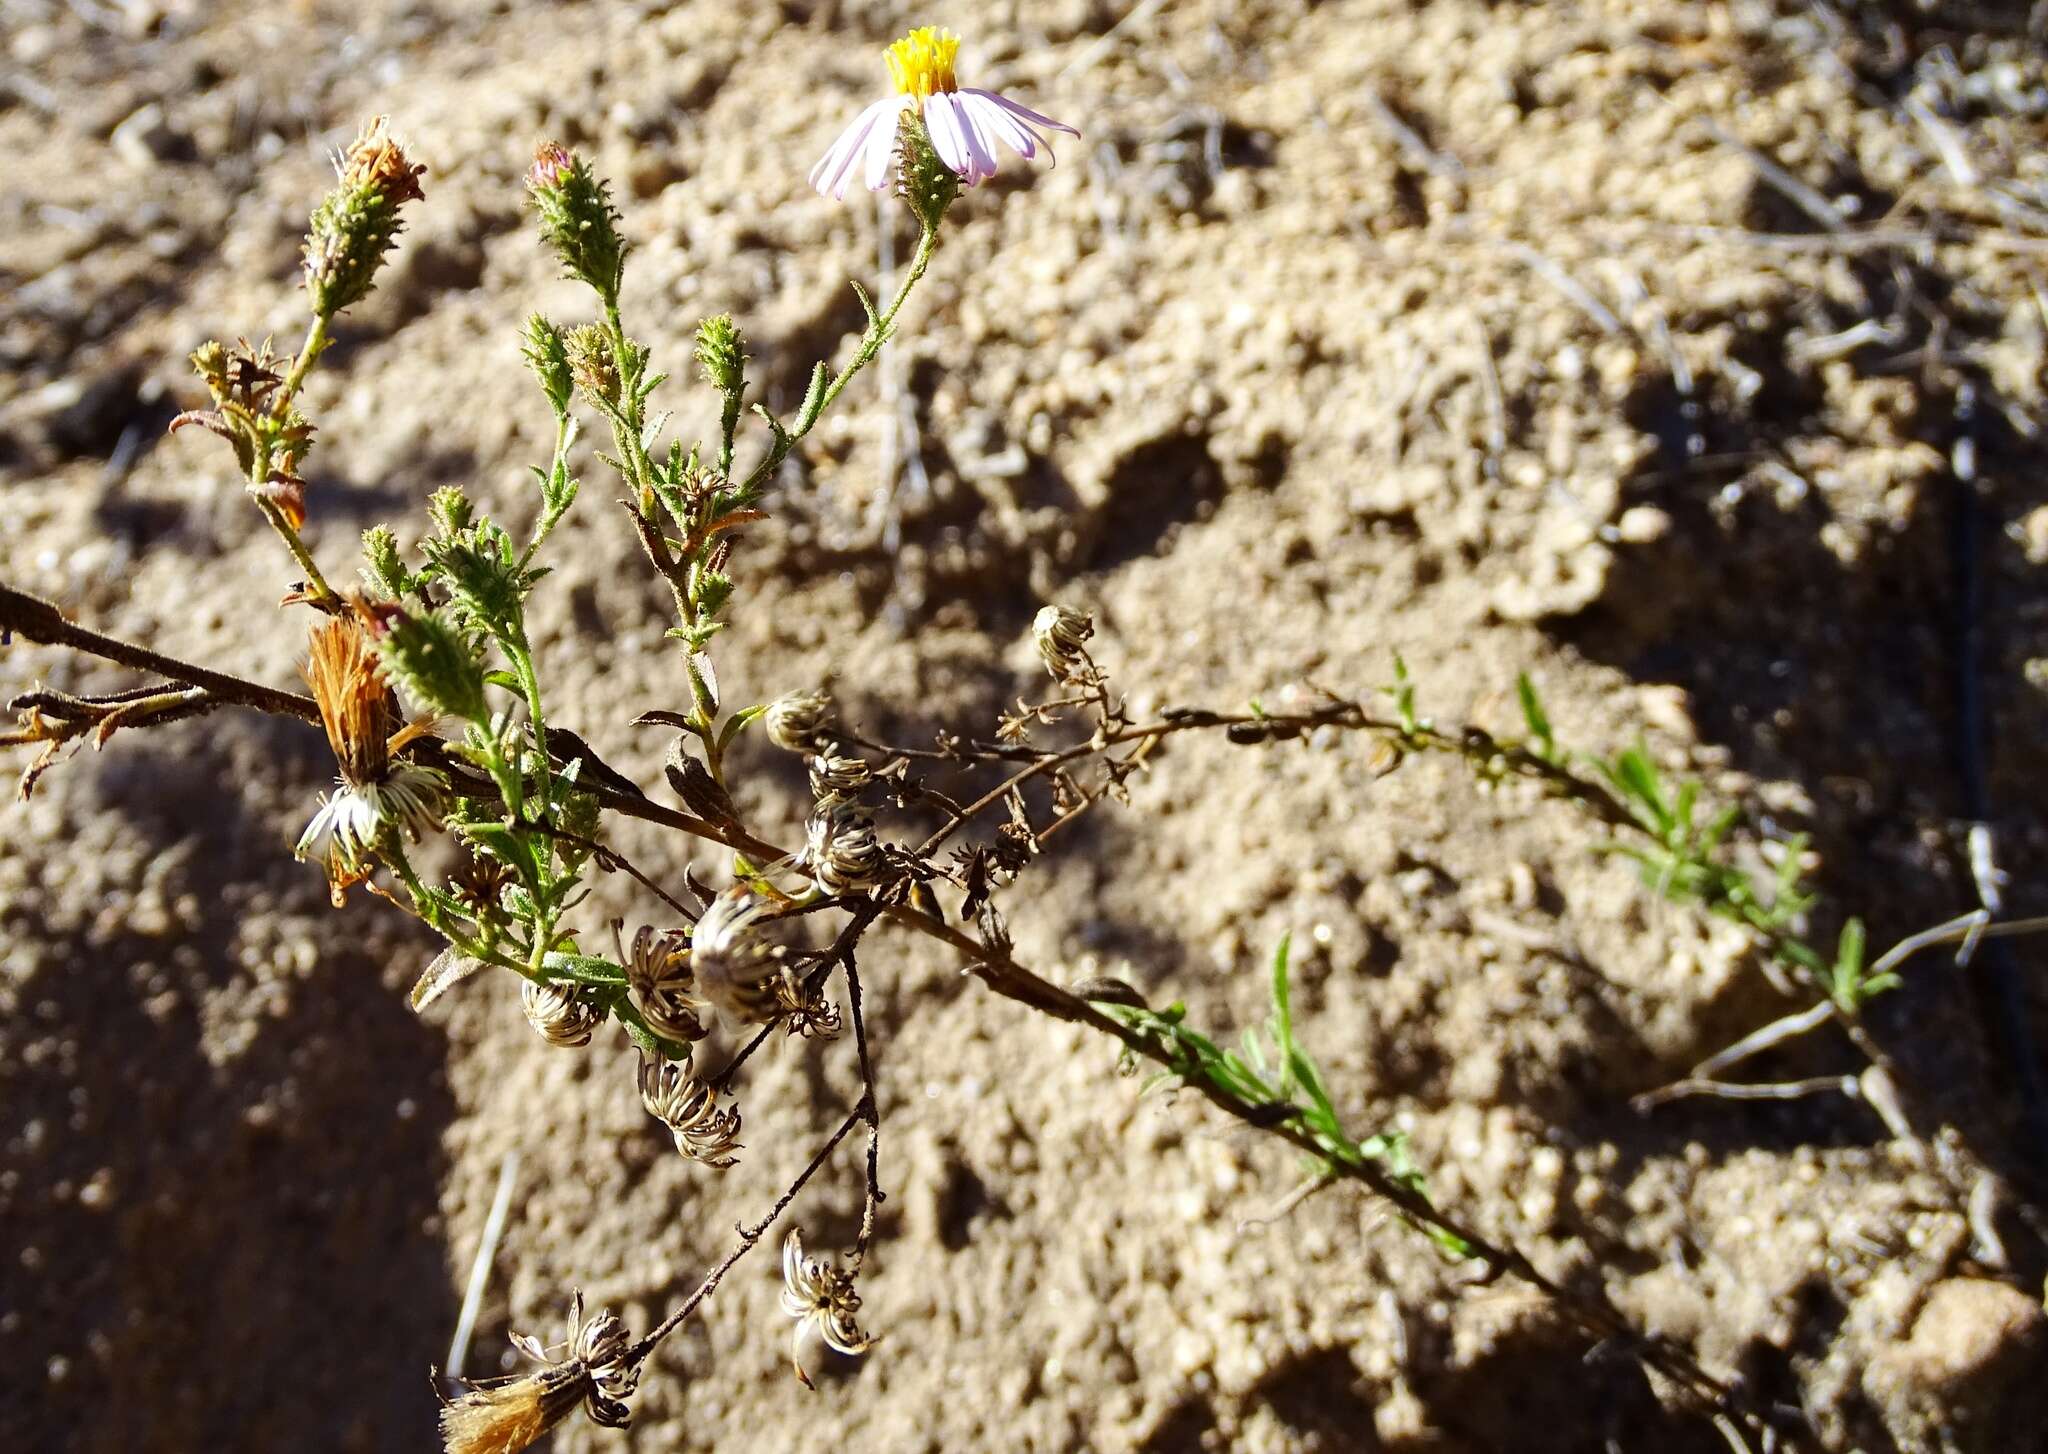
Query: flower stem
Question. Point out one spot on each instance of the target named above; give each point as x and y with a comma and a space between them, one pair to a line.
870, 344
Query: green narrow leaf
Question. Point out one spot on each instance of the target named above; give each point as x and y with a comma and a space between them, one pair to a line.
1283, 1016
867, 305
814, 396
1533, 714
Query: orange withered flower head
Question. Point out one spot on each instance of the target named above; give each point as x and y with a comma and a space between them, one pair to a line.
377, 792
357, 708
374, 159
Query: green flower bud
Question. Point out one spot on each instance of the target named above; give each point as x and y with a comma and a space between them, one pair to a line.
548, 356
481, 568
720, 355
385, 571
354, 227
451, 510
589, 353
925, 183
577, 219
428, 656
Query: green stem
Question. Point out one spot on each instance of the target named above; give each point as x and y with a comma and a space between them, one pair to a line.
549, 518
521, 652
316, 582
428, 913
315, 345
311, 349
870, 345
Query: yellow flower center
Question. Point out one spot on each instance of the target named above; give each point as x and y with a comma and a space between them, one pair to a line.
921, 64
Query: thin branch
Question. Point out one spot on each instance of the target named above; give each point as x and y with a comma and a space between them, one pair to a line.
1747, 1091
871, 1105
41, 621
637, 1354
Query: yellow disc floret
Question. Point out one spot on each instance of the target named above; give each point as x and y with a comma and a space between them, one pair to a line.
921, 64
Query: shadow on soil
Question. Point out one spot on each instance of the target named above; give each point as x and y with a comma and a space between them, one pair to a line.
221, 1223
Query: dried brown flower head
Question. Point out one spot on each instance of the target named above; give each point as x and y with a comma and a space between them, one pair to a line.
1062, 636
738, 971
841, 850
688, 1106
377, 792
821, 1297
359, 711
800, 722
507, 1417
558, 1014
375, 159
661, 982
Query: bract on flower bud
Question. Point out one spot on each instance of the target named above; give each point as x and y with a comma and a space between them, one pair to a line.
384, 568
450, 509
720, 353
923, 180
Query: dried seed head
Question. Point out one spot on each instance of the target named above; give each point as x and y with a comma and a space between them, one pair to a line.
1062, 635
800, 722
601, 1342
841, 850
662, 984
738, 971
688, 1106
807, 1012
558, 1015
479, 884
505, 1418
835, 777
821, 1297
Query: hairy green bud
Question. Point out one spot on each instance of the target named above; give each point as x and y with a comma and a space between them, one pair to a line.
428, 656
548, 356
384, 570
720, 354
353, 228
577, 218
925, 183
451, 510
589, 353
482, 571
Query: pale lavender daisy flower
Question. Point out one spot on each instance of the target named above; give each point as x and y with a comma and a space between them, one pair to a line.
964, 123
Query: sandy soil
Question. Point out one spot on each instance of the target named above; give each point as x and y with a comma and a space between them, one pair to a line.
1461, 330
